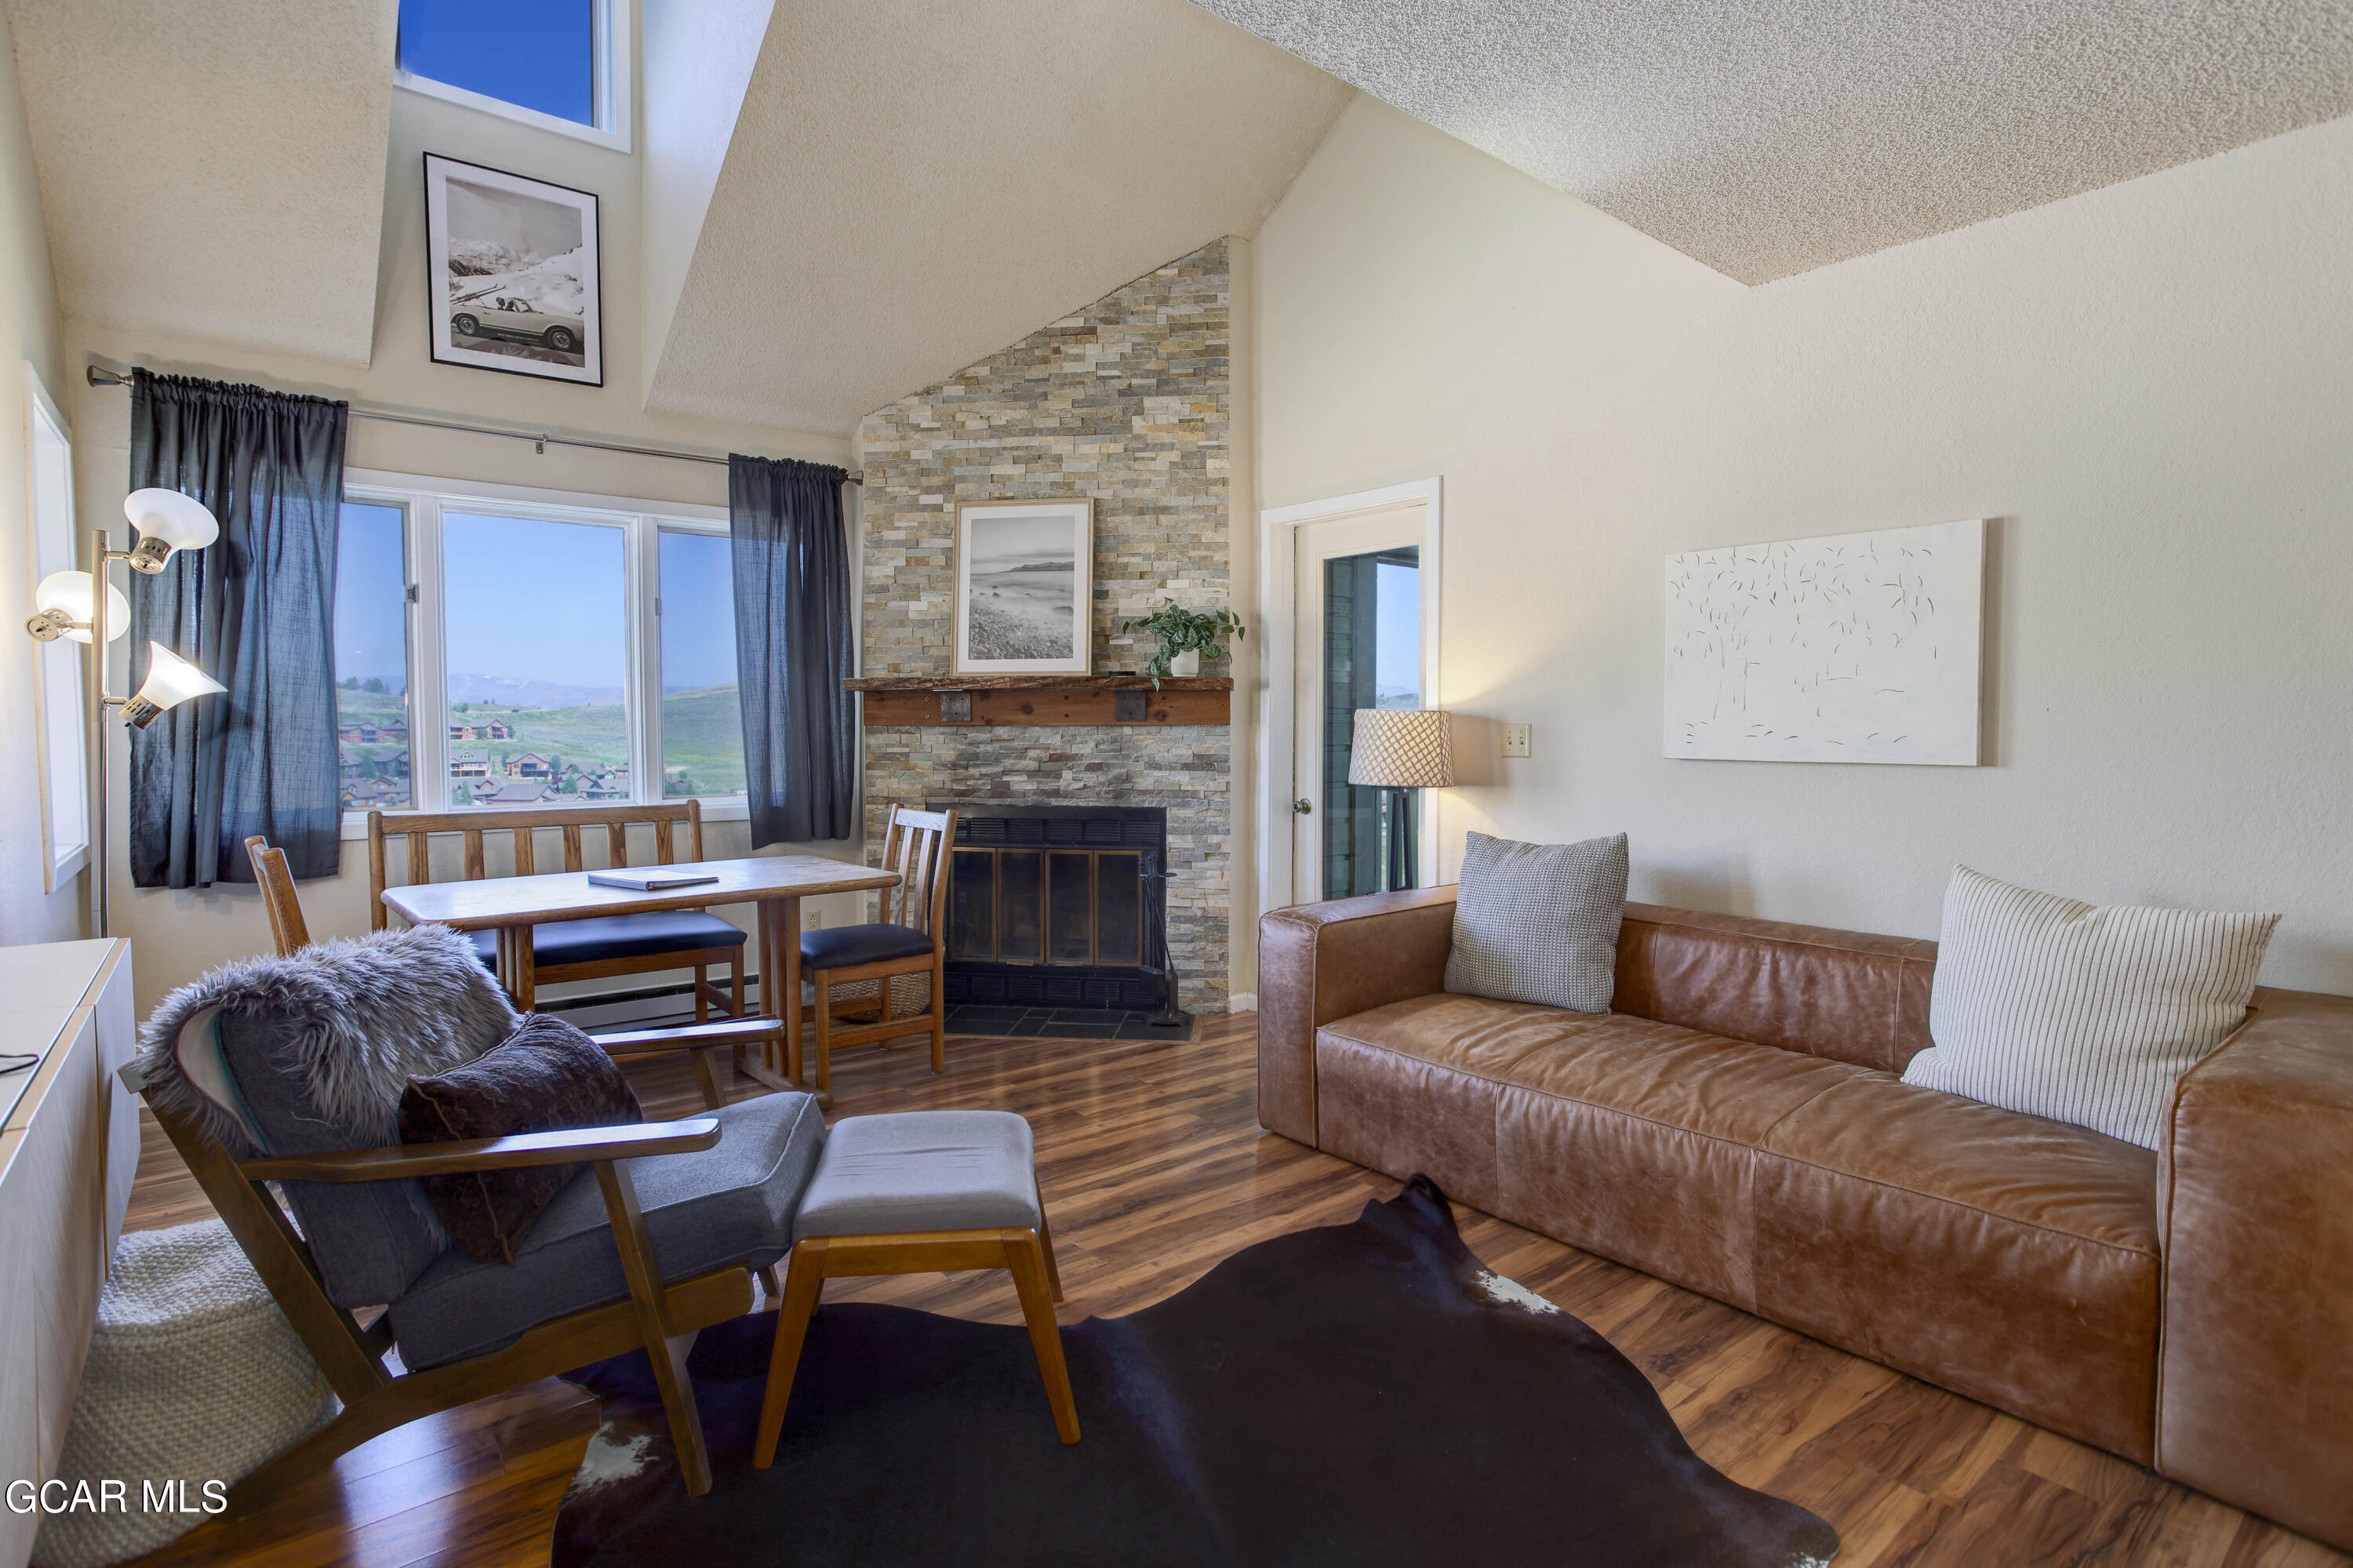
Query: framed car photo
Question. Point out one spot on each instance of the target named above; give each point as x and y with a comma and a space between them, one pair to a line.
510, 268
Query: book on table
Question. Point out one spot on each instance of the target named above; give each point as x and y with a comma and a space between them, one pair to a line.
659, 881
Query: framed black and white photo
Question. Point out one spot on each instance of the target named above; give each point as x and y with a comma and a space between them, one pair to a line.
1024, 587
511, 273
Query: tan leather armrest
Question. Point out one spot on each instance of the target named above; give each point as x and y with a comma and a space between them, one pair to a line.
2255, 1194
398, 1161
1317, 962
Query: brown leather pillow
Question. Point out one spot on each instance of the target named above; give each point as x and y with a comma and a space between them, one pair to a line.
547, 1077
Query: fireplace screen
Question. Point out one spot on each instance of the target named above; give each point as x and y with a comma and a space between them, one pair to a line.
1057, 907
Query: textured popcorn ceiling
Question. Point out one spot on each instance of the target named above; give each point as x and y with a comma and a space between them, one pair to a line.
1767, 137
214, 167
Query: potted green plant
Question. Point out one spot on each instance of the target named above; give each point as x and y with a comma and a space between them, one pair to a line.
1185, 635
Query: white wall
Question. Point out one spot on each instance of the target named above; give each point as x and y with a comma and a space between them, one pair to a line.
28, 334
2148, 386
176, 935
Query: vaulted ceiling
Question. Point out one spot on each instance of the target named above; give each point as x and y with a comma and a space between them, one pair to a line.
841, 201
912, 186
1767, 137
213, 167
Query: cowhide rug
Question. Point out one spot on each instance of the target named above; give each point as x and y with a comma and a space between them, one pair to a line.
1358, 1396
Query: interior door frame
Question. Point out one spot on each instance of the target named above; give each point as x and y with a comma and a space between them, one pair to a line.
1278, 550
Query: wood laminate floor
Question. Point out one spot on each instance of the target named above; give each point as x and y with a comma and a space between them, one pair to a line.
1154, 1167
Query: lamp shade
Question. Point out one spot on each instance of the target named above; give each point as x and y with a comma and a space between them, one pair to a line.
182, 522
74, 592
171, 681
1402, 748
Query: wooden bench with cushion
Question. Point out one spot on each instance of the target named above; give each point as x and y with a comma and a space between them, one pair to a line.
578, 949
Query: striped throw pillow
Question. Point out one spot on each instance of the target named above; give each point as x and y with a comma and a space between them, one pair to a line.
1539, 922
2077, 1012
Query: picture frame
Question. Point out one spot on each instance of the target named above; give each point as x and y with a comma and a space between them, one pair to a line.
512, 280
1025, 587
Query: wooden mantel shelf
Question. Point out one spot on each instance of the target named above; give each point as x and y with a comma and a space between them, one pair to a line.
983, 700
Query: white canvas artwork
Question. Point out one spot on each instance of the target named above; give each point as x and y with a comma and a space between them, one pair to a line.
1853, 648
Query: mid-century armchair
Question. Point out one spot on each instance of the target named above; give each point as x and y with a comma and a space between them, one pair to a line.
590, 1285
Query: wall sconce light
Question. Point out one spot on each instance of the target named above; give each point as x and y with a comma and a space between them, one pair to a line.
70, 604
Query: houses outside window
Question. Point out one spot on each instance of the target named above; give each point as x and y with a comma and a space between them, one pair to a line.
498, 647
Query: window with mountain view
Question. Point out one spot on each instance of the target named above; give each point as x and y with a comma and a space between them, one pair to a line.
529, 684
372, 657
701, 718
537, 680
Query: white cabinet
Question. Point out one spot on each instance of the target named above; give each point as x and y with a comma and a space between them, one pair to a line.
68, 1149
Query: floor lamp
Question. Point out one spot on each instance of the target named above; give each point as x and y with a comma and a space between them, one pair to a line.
1400, 750
70, 605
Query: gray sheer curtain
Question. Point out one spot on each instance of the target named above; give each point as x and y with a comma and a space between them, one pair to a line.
792, 647
255, 611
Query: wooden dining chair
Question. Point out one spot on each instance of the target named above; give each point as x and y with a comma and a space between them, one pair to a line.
276, 884
909, 940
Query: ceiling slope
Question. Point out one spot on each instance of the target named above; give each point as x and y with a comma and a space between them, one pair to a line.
912, 186
213, 167
1768, 137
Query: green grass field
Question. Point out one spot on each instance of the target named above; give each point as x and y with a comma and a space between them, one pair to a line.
703, 745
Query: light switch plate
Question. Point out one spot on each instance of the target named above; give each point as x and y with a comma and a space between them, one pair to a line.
1517, 738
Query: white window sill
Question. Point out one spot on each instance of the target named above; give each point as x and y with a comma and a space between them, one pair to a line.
728, 809
616, 140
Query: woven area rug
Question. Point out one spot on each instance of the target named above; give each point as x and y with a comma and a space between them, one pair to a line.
1365, 1394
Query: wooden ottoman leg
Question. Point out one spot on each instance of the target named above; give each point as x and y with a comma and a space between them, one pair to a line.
1027, 1261
804, 1281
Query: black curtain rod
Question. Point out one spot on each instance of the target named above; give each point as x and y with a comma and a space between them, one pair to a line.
539, 440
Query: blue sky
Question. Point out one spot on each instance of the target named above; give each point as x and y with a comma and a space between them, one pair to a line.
539, 53
533, 600
1397, 628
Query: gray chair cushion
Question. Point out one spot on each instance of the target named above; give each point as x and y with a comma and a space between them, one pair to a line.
1539, 922
619, 937
846, 946
727, 1205
921, 1171
371, 1238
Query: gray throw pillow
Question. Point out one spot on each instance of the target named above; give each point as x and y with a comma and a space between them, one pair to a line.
1539, 922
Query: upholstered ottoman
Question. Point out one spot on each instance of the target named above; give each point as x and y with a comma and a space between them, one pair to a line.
193, 1376
919, 1192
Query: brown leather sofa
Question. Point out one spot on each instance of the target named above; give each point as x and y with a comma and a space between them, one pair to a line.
1736, 1125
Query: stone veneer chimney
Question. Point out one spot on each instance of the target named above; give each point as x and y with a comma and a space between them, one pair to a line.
1127, 401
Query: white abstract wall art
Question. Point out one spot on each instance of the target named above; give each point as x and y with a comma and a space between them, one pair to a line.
1853, 648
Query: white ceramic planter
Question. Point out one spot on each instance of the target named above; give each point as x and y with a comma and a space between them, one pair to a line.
1188, 662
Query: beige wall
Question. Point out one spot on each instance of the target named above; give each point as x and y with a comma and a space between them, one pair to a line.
29, 330
2148, 386
176, 935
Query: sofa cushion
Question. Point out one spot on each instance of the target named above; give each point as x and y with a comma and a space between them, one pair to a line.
2007, 1257
1539, 922
1623, 1136
732, 1203
2064, 1008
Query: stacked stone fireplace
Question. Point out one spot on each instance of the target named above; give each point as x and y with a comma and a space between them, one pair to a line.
1127, 401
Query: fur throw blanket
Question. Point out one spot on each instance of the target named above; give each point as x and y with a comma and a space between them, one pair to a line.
367, 1014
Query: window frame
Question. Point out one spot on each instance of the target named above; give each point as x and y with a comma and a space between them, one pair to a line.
422, 502
614, 67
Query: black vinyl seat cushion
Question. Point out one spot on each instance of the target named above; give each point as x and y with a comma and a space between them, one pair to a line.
847, 947
618, 936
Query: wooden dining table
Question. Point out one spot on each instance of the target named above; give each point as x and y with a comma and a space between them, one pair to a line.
775, 884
